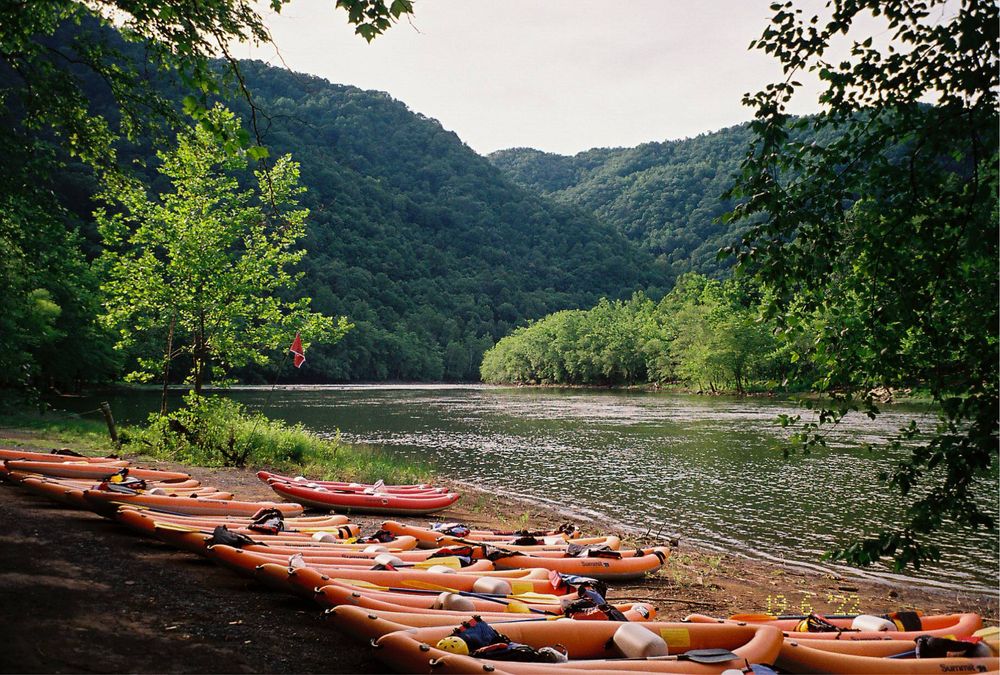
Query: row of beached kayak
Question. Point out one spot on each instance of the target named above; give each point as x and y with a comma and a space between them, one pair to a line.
448, 598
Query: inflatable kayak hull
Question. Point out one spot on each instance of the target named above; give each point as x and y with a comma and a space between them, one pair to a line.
355, 502
30, 455
106, 503
429, 538
308, 524
631, 565
336, 594
267, 476
960, 625
91, 470
197, 541
589, 644
871, 657
367, 625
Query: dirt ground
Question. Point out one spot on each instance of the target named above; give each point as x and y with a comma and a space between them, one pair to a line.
81, 594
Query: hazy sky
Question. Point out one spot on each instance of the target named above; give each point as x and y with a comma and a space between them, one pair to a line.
557, 75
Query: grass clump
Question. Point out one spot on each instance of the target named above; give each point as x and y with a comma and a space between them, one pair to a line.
218, 431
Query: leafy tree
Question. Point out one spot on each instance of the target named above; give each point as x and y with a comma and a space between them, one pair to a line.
884, 237
205, 263
48, 333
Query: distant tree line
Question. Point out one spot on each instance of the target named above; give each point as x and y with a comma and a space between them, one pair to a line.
706, 334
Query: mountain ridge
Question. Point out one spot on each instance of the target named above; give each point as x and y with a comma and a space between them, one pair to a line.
666, 196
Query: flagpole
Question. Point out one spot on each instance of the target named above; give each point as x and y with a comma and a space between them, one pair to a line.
267, 401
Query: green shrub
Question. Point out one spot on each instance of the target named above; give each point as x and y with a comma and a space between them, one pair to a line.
218, 431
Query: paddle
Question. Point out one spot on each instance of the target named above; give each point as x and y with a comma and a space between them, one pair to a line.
494, 546
713, 655
174, 527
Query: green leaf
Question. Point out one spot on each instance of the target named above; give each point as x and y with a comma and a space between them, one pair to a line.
258, 152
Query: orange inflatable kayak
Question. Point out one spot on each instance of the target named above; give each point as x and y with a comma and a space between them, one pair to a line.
563, 532
306, 581
295, 538
607, 566
197, 541
873, 657
72, 494
591, 645
248, 561
91, 470
359, 502
367, 625
516, 581
86, 483
107, 503
960, 625
323, 559
324, 523
429, 538
335, 594
55, 456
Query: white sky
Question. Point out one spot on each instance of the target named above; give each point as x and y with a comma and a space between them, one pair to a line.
556, 75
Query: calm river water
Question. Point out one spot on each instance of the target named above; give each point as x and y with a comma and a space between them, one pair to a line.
709, 470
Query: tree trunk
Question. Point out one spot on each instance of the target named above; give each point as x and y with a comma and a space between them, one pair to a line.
110, 420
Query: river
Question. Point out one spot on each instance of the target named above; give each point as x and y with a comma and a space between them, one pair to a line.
706, 469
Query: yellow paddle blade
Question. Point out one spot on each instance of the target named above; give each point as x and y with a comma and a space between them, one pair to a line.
540, 598
360, 583
163, 525
450, 561
518, 607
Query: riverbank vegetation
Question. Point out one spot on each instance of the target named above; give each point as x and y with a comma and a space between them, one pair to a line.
706, 334
212, 431
218, 431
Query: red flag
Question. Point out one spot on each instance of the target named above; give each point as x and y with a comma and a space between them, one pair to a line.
300, 353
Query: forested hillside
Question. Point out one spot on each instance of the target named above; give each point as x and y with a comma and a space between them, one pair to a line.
423, 244
664, 196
